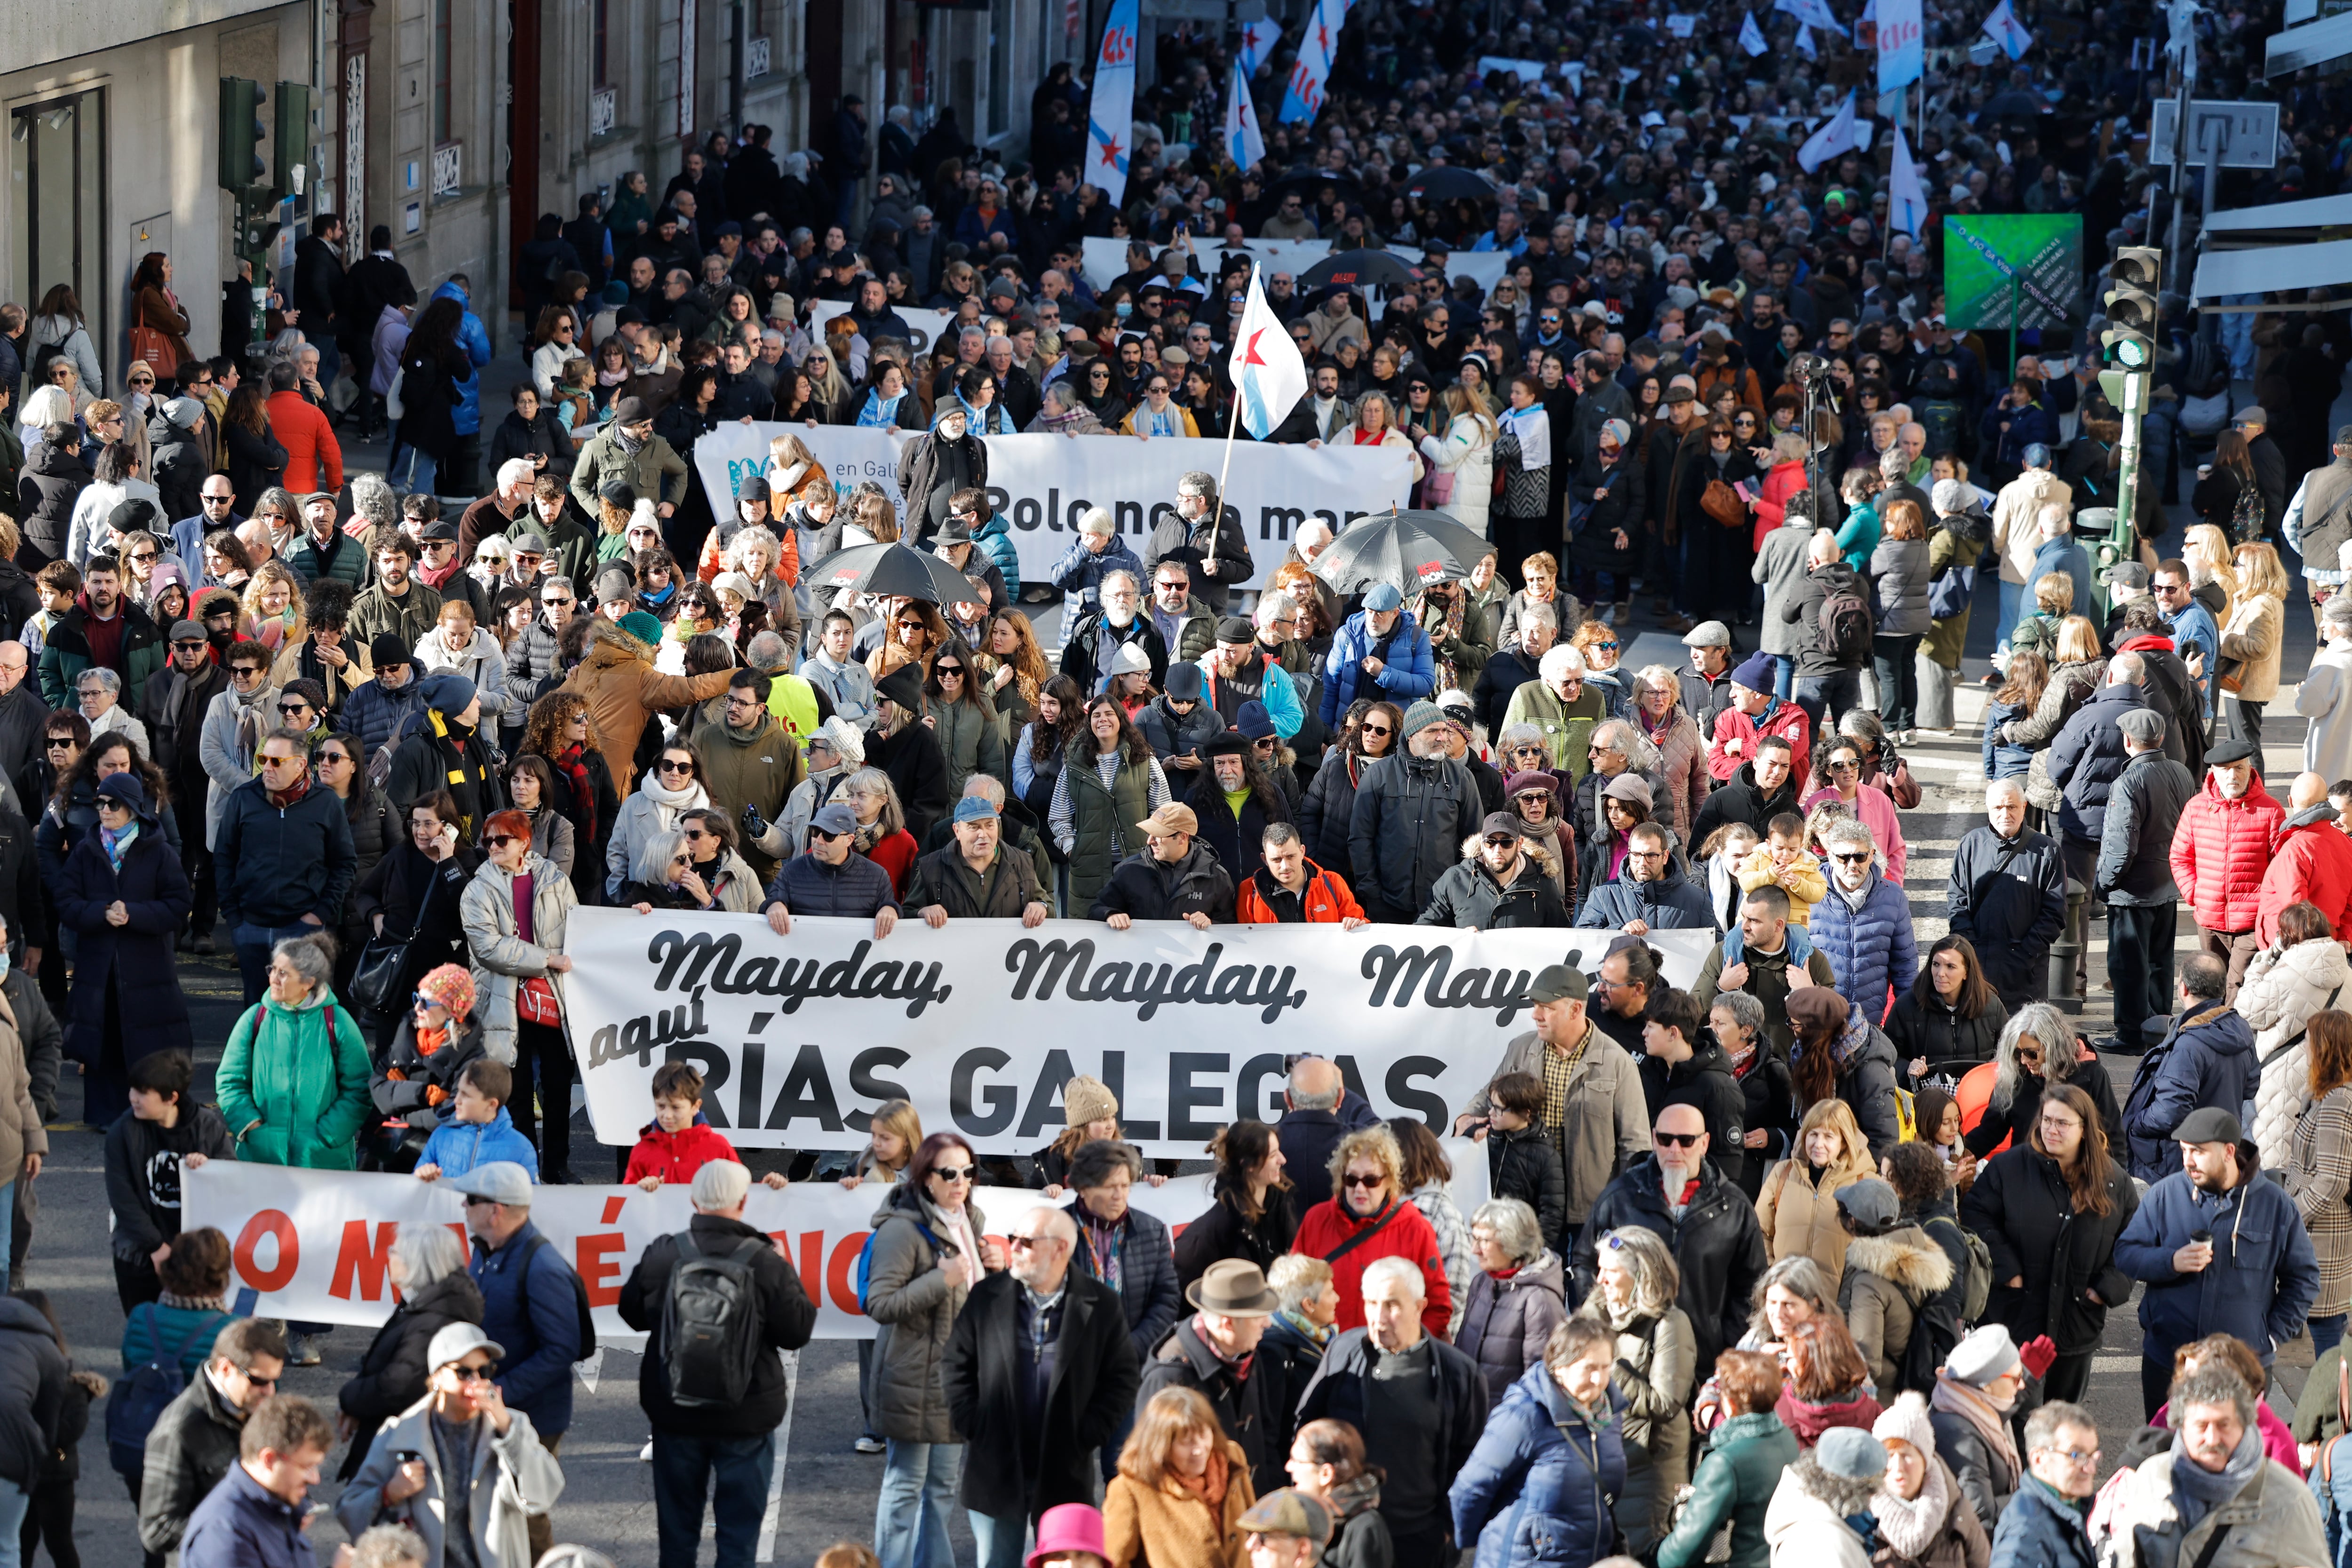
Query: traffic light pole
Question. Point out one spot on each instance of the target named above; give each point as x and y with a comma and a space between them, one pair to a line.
2120, 535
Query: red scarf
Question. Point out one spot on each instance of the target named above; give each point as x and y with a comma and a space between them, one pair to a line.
573, 766
282, 798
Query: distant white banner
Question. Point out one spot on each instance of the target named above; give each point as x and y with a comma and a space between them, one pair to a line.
980, 1023
316, 1245
925, 325
1044, 484
1106, 259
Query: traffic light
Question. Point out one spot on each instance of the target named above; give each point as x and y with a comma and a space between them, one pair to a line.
292, 147
241, 133
2127, 346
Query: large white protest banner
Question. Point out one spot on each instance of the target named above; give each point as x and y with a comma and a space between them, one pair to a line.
925, 325
316, 1245
1106, 260
1044, 484
981, 1023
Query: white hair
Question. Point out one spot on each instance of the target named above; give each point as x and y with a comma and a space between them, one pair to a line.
423, 1253
1313, 531
516, 472
1404, 1271
2051, 520
46, 406
1272, 608
1561, 662
1999, 788
1097, 520
2127, 669
721, 1185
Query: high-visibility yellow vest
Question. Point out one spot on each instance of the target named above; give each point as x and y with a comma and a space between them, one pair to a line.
793, 703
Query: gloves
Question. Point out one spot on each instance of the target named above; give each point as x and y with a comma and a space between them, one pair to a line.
2038, 1353
755, 826
435, 1095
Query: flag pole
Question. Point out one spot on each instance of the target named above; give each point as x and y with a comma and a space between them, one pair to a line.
1232, 417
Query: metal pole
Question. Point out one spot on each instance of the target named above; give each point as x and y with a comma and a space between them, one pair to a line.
2208, 323
2015, 286
2128, 483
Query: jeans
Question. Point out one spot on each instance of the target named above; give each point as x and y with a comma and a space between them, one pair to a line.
8, 1235
1824, 697
254, 945
684, 1470
1895, 659
2012, 600
2326, 1333
330, 365
412, 470
910, 1516
998, 1538
13, 1502
2139, 961
1784, 674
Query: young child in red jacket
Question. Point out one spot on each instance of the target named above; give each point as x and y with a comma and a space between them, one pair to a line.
679, 1142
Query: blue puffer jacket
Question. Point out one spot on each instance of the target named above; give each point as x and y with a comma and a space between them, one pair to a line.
2205, 1058
1673, 902
475, 339
1540, 1485
1871, 949
530, 1306
458, 1146
1408, 670
2088, 756
1146, 1275
2041, 1530
995, 538
2264, 1274
2001, 761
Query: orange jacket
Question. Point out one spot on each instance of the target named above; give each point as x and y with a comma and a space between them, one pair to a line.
1327, 899
314, 462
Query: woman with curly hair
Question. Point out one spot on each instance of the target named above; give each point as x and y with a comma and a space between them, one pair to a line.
274, 614
917, 633
1371, 1214
1012, 668
563, 732
1059, 714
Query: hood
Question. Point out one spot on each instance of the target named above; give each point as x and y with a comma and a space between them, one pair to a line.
2256, 796
1838, 576
1709, 1058
2220, 1028
56, 462
609, 646
25, 1317
452, 1295
1788, 790
452, 290
1908, 1257
726, 731
1546, 1273
1658, 890
2309, 816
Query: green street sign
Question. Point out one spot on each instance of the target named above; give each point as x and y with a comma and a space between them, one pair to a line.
2003, 272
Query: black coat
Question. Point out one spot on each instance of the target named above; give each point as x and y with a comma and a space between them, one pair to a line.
51, 480
135, 959
1341, 1387
1717, 1241
786, 1318
254, 463
1222, 1233
2009, 898
1705, 1082
1238, 843
1143, 887
1087, 1401
1804, 609
1467, 897
1255, 1412
1147, 1292
1741, 801
539, 437
912, 759
393, 1372
1929, 1028
1524, 1165
2020, 1206
418, 899
31, 1392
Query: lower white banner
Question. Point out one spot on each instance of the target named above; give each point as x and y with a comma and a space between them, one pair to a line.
925, 326
1044, 484
980, 1024
316, 1245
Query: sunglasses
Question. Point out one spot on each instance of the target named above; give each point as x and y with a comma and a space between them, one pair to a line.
1028, 1243
60, 743
187, 646
472, 1374
1677, 1140
291, 709
1355, 1180
948, 672
499, 840
670, 767
1860, 859
953, 1172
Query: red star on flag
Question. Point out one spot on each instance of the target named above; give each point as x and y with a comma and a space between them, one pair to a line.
1249, 352
1111, 151
1323, 39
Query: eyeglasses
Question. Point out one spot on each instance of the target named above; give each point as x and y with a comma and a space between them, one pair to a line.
1678, 1140
472, 1374
953, 1172
1356, 1181
2072, 1455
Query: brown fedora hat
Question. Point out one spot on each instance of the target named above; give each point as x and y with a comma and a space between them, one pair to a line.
1233, 1288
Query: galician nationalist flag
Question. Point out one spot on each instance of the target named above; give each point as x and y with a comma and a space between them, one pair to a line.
1304, 98
1751, 36
1841, 134
1269, 375
1259, 39
1245, 144
2003, 29
1902, 44
1906, 201
1111, 117
1812, 13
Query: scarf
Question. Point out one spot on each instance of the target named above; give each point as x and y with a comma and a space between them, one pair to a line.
2198, 1491
283, 798
429, 1040
470, 789
672, 801
1349, 1499
118, 845
436, 577
1532, 426
869, 834
880, 413
1316, 1334
628, 442
250, 712
1856, 1036
1209, 1486
192, 1303
611, 377
1911, 1528
573, 767
1105, 1244
1956, 1398
954, 1226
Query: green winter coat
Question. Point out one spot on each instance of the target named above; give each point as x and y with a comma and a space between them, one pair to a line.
971, 740
1946, 639
657, 473
292, 1093
1735, 1484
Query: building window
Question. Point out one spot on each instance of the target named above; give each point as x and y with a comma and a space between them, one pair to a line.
57, 179
599, 24
441, 51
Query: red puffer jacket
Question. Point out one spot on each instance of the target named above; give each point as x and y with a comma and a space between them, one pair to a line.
2313, 862
676, 1156
2219, 852
1407, 1236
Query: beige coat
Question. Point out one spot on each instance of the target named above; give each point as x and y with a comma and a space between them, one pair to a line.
1885, 1275
503, 960
1607, 1116
21, 1131
2255, 632
1157, 1527
2016, 533
1801, 1218
2283, 987
2273, 1519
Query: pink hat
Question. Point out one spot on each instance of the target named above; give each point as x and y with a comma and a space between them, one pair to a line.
1068, 1527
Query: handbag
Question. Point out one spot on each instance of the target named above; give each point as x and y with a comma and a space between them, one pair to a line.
535, 1003
2231, 676
1721, 503
375, 985
1438, 489
150, 345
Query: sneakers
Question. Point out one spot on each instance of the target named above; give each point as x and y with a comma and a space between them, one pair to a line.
302, 1351
868, 1444
646, 1454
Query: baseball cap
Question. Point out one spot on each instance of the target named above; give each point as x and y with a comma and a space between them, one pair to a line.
974, 808
500, 1181
835, 820
1499, 822
455, 1341
1560, 983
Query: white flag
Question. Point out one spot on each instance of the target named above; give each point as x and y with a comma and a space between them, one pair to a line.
1838, 136
1269, 375
1812, 13
1805, 42
1304, 98
1245, 144
2003, 29
1110, 114
1902, 38
1751, 36
1259, 39
1907, 202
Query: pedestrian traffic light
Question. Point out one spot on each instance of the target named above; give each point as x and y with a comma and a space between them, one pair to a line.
241, 133
292, 146
2129, 342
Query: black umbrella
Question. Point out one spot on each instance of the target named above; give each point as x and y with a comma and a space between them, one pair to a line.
1409, 548
1361, 270
1447, 182
892, 572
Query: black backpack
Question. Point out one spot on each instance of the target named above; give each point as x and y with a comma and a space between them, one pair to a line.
1842, 633
710, 1321
139, 1399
